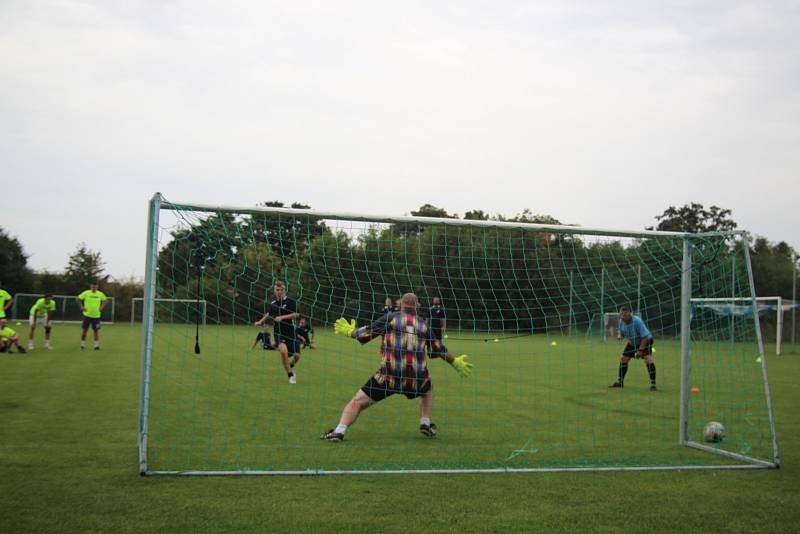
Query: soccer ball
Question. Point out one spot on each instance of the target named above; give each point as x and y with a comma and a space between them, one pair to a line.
714, 432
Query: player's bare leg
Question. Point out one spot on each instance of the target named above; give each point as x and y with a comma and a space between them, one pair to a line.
31, 332
350, 413
284, 352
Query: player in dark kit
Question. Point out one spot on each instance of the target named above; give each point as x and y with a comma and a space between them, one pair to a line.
283, 311
438, 320
263, 337
640, 345
304, 333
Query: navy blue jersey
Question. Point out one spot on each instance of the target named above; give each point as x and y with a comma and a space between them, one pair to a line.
304, 332
280, 307
437, 316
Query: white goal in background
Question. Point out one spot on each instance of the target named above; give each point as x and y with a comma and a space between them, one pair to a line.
743, 306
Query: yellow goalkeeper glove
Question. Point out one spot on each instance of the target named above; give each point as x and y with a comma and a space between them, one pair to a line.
341, 326
462, 366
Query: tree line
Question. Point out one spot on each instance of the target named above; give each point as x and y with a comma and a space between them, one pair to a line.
493, 278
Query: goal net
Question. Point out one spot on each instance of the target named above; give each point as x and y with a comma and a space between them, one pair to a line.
67, 308
527, 303
171, 311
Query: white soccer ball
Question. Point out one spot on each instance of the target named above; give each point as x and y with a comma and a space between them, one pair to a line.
714, 432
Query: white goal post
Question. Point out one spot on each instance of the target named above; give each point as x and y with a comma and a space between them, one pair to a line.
67, 310
718, 305
134, 300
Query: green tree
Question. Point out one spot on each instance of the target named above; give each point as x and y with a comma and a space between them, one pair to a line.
694, 218
15, 275
476, 215
83, 267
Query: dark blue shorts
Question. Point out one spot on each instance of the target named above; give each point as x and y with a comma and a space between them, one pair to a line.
292, 344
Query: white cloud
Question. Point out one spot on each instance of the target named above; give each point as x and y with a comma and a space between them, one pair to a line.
601, 114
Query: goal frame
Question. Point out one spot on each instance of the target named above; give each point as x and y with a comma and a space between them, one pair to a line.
158, 203
134, 300
24, 317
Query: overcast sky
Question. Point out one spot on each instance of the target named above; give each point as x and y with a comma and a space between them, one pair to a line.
598, 113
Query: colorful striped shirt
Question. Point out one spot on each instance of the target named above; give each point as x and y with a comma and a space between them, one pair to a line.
405, 346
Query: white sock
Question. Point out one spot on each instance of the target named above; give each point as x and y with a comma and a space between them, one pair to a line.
425, 421
30, 344
46, 342
83, 343
96, 343
340, 429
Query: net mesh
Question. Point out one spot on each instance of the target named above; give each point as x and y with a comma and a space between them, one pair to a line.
527, 305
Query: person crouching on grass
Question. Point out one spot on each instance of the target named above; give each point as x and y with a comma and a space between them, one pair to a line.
9, 338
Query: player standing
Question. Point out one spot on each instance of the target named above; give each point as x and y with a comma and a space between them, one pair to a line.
640, 345
6, 300
92, 301
438, 319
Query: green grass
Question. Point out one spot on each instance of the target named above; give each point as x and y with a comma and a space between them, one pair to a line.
68, 454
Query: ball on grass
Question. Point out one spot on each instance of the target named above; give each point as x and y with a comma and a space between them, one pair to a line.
19, 324
695, 390
653, 351
553, 343
758, 360
496, 340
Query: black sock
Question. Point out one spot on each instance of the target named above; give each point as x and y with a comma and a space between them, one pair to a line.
291, 374
651, 369
623, 369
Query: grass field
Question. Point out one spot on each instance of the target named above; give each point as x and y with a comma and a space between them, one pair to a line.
69, 433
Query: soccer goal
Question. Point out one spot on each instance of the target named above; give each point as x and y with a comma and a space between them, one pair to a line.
745, 307
524, 301
67, 308
174, 311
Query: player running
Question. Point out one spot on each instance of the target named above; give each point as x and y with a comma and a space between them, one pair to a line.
41, 313
283, 311
407, 341
640, 345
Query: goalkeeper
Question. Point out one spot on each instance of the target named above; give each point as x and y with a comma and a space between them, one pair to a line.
406, 343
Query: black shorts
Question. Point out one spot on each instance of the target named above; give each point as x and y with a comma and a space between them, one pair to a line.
93, 321
630, 350
436, 333
377, 391
292, 344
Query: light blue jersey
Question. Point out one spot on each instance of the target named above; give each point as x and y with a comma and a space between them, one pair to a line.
634, 331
